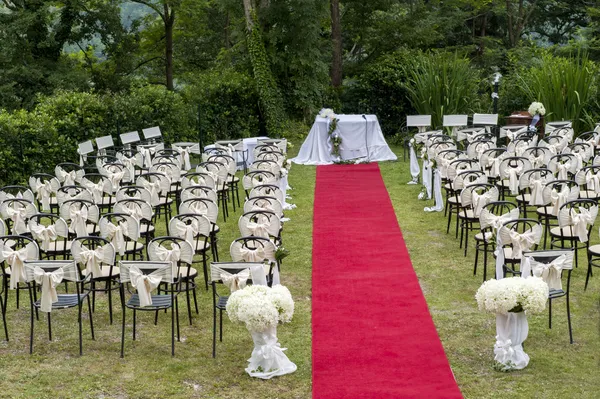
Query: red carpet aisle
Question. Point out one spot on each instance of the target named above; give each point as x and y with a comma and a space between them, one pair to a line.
373, 336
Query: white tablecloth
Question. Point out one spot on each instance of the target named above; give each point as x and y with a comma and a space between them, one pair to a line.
249, 144
357, 135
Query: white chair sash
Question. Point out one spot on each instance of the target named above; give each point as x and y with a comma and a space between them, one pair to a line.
68, 178
522, 241
260, 228
549, 272
15, 259
580, 220
253, 255
46, 234
78, 221
537, 191
144, 285
513, 179
187, 231
172, 255
116, 235
185, 157
43, 191
563, 169
92, 258
97, 189
17, 213
237, 281
559, 198
479, 201
48, 281
488, 219
134, 210
154, 189
593, 181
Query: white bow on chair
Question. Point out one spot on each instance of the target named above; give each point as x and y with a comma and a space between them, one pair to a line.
144, 284
259, 228
537, 192
97, 189
513, 179
580, 220
17, 213
129, 163
43, 192
78, 221
253, 255
15, 259
116, 177
488, 219
494, 164
116, 235
154, 188
147, 155
134, 210
593, 181
235, 281
549, 272
48, 281
92, 258
539, 161
563, 168
479, 201
172, 255
185, 157
46, 234
187, 231
522, 241
559, 198
68, 178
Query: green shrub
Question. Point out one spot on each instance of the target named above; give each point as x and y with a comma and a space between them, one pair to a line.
381, 89
566, 87
227, 104
442, 84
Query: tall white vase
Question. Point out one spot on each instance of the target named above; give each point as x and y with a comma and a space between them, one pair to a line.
268, 359
511, 330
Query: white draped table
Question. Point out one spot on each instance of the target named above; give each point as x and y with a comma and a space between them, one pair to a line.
360, 139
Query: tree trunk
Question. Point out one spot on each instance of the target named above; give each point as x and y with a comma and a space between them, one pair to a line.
336, 39
248, 12
169, 23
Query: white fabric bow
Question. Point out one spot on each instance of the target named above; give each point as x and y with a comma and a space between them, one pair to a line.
48, 281
15, 259
549, 272
253, 255
522, 242
259, 228
116, 177
129, 163
68, 178
97, 189
171, 255
78, 221
144, 284
92, 258
537, 192
44, 234
559, 198
563, 168
17, 213
513, 179
593, 181
187, 231
235, 281
134, 210
487, 218
494, 164
539, 161
116, 235
185, 157
154, 188
580, 221
43, 192
147, 155
479, 201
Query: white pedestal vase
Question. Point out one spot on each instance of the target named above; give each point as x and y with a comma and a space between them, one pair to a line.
511, 330
268, 359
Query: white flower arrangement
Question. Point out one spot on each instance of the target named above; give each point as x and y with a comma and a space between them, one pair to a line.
327, 113
288, 164
260, 307
283, 172
537, 108
513, 294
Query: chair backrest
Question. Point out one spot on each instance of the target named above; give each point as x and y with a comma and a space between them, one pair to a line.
520, 234
3, 229
170, 169
476, 196
199, 192
589, 177
154, 268
267, 165
252, 249
200, 206
99, 185
477, 147
14, 250
276, 156
17, 212
156, 183
192, 228
139, 209
485, 119
264, 203
172, 249
468, 177
455, 120
15, 191
264, 148
418, 120
227, 160
66, 193
90, 253
461, 165
217, 170
259, 224
267, 190
258, 177
534, 179
236, 275
79, 213
46, 228
198, 179
549, 266
69, 271
119, 228
577, 217
563, 165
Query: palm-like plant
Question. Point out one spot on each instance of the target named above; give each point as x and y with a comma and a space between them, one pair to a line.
441, 84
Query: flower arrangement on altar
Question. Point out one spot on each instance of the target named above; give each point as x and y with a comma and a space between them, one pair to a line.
537, 108
334, 137
513, 294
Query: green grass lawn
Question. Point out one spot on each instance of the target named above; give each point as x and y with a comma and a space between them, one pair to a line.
446, 277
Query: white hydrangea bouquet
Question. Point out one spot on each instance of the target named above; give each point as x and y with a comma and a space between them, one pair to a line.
511, 299
537, 108
261, 309
327, 113
513, 294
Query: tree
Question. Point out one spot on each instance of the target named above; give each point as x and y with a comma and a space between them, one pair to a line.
518, 16
336, 40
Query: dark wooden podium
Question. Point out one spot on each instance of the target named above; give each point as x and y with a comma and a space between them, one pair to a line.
525, 118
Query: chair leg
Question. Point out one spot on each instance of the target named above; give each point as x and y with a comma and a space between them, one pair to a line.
123, 334
3, 318
589, 271
177, 318
214, 332
550, 313
91, 319
569, 318
221, 325
476, 259
109, 289
187, 298
134, 324
31, 331
49, 317
172, 331
80, 329
485, 255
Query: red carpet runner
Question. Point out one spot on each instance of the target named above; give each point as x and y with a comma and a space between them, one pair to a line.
373, 336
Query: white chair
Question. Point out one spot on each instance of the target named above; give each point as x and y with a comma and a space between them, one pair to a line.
455, 122
421, 122
84, 149
104, 144
152, 134
487, 120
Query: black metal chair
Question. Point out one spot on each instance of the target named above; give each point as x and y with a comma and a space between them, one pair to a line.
48, 274
515, 237
142, 275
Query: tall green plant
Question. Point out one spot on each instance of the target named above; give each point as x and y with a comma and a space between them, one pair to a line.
441, 84
566, 87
